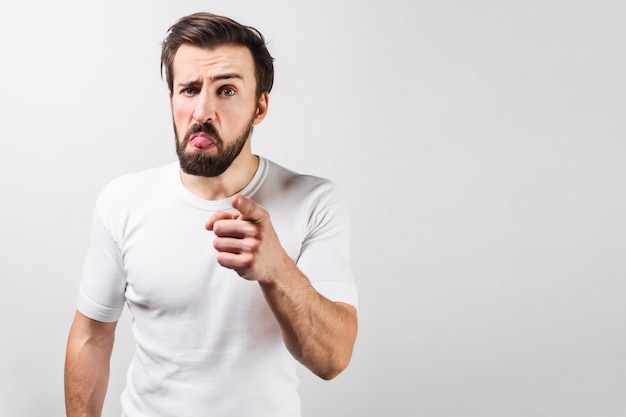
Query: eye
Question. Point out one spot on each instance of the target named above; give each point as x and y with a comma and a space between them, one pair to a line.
227, 91
189, 91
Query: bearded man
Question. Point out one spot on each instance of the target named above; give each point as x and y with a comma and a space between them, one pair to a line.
225, 299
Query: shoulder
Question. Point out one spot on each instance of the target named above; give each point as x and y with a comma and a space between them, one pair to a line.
131, 190
307, 201
138, 183
301, 187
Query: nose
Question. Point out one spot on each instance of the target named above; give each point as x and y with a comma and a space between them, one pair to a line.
204, 111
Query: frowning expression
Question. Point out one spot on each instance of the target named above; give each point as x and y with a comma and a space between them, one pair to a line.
214, 106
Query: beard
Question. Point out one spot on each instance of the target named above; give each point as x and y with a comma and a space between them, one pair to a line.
203, 165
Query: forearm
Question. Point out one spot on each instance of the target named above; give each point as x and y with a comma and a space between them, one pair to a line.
318, 332
87, 371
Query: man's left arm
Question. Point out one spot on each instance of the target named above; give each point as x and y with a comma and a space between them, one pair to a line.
318, 332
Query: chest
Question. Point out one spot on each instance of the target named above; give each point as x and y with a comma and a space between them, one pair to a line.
171, 263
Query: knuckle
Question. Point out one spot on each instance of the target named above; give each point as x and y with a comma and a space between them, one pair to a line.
247, 260
252, 245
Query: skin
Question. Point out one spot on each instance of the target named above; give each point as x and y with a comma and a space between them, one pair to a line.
318, 333
218, 86
88, 355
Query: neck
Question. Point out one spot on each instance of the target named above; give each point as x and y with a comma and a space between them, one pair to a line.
233, 180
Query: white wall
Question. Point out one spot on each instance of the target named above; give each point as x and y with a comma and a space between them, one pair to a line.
480, 145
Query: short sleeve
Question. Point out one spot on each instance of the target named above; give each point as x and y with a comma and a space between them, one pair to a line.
103, 281
324, 257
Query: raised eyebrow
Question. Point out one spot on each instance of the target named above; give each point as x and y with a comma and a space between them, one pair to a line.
229, 76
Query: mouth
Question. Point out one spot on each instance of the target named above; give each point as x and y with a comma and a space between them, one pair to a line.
201, 141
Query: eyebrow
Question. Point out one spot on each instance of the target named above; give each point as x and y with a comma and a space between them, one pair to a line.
226, 77
218, 77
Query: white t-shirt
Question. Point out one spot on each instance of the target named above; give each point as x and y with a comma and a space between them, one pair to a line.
207, 342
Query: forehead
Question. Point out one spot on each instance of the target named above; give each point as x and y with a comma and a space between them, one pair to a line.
192, 62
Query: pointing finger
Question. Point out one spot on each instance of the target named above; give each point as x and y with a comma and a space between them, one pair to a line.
249, 210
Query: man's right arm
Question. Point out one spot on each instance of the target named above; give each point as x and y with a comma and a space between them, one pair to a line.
89, 348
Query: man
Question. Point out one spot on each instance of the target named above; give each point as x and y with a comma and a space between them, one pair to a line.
223, 296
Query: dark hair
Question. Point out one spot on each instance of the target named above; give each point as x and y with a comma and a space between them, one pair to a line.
206, 30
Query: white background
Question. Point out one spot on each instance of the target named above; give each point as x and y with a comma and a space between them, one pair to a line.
480, 145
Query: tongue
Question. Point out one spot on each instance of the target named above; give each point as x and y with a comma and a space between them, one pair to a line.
200, 142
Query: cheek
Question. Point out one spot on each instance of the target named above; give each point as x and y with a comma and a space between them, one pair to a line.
179, 114
236, 116
181, 107
181, 124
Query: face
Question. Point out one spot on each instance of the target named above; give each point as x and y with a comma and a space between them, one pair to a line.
214, 107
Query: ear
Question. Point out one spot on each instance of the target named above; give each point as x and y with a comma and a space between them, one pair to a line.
261, 108
170, 97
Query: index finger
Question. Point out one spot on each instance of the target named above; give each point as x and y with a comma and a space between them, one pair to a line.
248, 208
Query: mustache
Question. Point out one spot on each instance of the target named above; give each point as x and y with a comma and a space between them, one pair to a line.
207, 128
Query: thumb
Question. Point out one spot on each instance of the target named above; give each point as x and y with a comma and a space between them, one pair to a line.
248, 208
